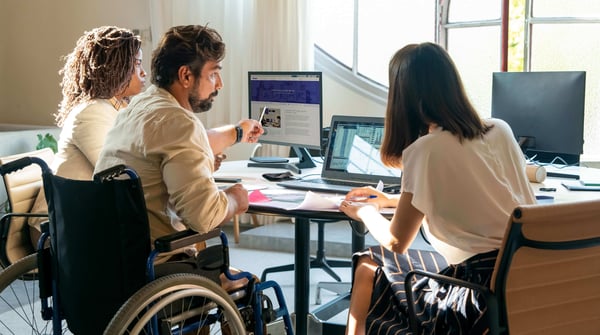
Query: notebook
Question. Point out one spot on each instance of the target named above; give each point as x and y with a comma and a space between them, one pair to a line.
352, 158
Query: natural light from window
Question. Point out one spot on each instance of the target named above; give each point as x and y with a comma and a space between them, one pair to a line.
562, 36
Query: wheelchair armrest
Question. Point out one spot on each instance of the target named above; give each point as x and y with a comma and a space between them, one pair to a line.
408, 287
183, 239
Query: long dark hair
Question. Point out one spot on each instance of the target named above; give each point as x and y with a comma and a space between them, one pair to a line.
99, 67
190, 45
425, 88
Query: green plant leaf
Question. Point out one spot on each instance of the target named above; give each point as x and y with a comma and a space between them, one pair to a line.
47, 141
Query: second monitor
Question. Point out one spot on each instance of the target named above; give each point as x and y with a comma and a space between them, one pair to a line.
545, 111
289, 106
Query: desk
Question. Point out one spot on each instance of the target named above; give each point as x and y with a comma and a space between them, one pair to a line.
561, 194
252, 177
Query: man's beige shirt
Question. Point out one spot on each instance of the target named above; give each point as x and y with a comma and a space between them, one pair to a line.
168, 147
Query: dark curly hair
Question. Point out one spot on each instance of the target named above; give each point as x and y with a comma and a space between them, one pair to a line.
99, 67
190, 45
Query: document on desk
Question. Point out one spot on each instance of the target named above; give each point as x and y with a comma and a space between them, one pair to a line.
293, 200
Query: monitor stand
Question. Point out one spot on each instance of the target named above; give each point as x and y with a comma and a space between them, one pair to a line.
304, 162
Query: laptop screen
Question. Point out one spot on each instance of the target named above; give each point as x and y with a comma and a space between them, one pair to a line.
353, 151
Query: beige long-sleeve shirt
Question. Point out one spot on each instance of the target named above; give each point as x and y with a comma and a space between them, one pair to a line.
168, 147
82, 137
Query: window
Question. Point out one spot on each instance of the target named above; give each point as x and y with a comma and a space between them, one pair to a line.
355, 40
565, 37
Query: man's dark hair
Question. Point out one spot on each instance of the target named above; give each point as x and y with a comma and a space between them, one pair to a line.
191, 45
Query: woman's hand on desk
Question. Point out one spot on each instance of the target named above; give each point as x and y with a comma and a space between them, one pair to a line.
369, 194
359, 210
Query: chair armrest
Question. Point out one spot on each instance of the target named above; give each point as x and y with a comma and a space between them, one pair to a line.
5, 220
6, 217
183, 239
408, 286
444, 279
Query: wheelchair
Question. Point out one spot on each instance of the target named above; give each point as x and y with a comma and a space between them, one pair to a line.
94, 272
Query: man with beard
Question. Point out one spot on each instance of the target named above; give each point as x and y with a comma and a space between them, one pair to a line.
159, 136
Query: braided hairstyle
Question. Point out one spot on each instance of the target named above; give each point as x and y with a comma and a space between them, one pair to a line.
99, 67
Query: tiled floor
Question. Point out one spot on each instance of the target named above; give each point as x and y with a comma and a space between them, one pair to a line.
272, 245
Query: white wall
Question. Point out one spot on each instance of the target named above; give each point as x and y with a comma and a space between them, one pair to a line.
340, 99
35, 34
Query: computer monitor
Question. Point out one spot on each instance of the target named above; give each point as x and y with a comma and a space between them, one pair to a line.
545, 111
289, 106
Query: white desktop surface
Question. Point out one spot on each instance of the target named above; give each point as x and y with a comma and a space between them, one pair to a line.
561, 193
252, 179
239, 168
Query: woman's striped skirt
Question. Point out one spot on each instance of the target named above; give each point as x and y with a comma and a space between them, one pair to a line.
441, 309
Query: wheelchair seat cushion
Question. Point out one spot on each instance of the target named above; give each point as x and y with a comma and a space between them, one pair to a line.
208, 262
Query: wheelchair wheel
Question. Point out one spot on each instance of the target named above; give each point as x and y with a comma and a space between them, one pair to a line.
20, 304
178, 304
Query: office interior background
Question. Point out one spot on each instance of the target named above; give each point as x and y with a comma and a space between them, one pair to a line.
351, 41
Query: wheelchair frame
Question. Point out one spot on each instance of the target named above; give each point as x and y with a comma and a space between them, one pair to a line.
240, 310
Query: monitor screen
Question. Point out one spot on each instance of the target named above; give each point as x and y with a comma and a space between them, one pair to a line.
289, 106
545, 111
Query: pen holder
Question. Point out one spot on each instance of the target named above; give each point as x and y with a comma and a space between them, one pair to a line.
536, 173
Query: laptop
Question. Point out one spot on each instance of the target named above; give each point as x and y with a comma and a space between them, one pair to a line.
352, 158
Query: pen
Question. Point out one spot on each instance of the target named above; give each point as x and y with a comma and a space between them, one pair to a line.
372, 196
262, 115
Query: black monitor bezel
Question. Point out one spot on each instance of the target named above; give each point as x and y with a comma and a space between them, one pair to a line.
532, 95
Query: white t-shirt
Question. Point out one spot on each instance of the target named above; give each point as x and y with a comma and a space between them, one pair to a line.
466, 190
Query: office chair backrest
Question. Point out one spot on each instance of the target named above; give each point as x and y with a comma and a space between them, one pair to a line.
22, 188
548, 271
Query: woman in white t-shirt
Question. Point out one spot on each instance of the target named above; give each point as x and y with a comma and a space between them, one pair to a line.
461, 178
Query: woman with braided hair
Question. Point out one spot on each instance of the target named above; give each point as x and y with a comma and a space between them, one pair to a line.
99, 76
